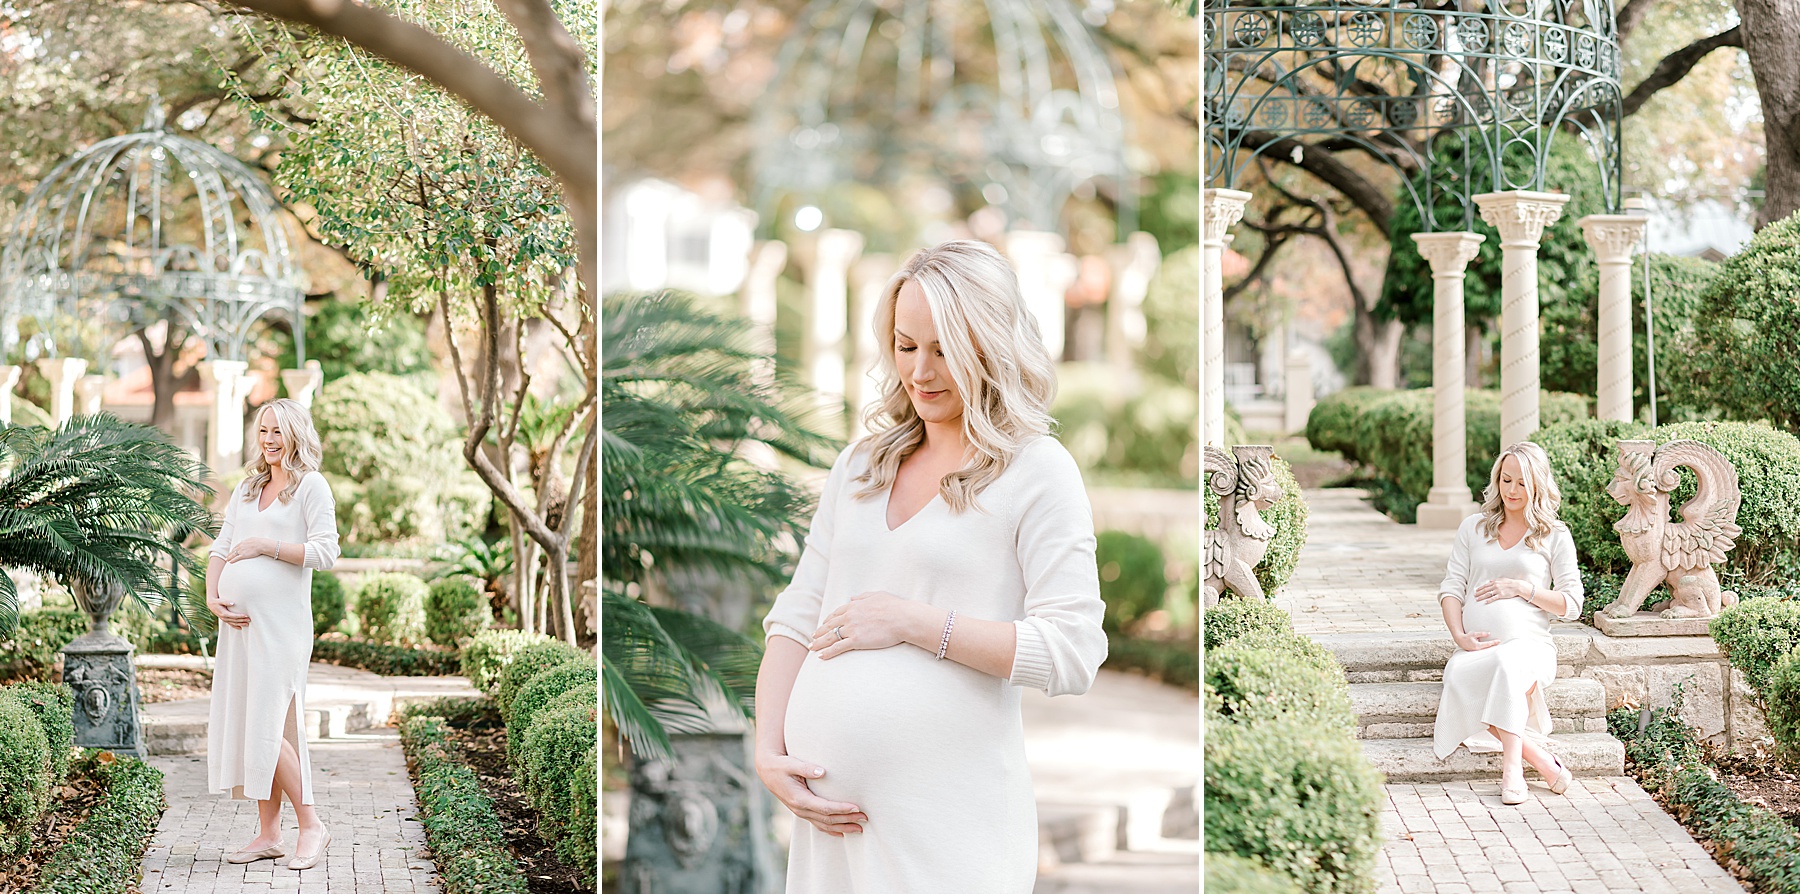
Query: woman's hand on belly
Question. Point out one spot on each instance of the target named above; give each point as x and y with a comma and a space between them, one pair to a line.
222, 609
785, 777
874, 620
1476, 641
1503, 588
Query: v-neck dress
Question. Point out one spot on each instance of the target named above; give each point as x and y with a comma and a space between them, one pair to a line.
931, 750
259, 673
1495, 686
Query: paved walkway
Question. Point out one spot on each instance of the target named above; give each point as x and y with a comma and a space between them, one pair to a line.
363, 795
1360, 572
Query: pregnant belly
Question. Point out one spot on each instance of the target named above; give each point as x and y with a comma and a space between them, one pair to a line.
1505, 619
263, 587
879, 718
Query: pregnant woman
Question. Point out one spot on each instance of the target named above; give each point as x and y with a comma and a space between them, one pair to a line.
949, 566
280, 525
1511, 571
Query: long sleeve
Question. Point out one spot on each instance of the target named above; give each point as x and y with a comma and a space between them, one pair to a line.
1456, 575
1060, 643
221, 545
1565, 574
795, 613
320, 512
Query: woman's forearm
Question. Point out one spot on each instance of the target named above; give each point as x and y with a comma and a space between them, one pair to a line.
291, 552
214, 567
1453, 619
986, 646
1552, 601
781, 662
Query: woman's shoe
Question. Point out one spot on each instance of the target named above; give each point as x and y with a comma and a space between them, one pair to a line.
1563, 777
1512, 795
308, 861
267, 853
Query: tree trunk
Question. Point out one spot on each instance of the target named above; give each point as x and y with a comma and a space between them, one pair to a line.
1771, 31
163, 380
1377, 350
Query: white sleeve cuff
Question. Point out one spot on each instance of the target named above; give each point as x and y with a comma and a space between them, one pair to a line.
1031, 658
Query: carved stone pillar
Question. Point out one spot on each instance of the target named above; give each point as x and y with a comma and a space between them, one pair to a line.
1219, 209
758, 302
97, 667
231, 387
62, 373
303, 384
1613, 237
1045, 273
828, 316
1449, 255
9, 379
1134, 263
698, 823
868, 279
90, 391
1520, 216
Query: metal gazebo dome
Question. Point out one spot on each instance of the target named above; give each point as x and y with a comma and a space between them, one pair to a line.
140, 226
1028, 134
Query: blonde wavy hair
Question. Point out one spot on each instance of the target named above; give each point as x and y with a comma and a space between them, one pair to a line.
300, 452
1542, 497
995, 355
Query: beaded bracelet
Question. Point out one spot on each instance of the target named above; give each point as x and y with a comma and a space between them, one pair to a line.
944, 644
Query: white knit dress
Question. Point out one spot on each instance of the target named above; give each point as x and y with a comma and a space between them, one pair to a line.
1489, 686
931, 750
259, 674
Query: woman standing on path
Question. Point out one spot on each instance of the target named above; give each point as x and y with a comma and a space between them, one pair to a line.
280, 524
951, 563
1517, 561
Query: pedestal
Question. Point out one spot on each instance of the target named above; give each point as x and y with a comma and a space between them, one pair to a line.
1650, 624
1612, 238
1297, 399
828, 320
225, 435
1520, 216
9, 379
97, 667
1219, 208
89, 392
303, 384
1449, 501
697, 822
62, 373
868, 281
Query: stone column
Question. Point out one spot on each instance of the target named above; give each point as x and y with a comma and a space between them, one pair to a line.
9, 379
89, 393
757, 300
1297, 398
1134, 263
1219, 208
1520, 216
62, 373
1045, 273
868, 279
302, 384
1449, 255
828, 319
231, 386
1613, 237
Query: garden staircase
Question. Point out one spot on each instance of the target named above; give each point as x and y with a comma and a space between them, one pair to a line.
1395, 682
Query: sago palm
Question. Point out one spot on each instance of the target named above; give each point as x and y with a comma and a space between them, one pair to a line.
103, 503
681, 400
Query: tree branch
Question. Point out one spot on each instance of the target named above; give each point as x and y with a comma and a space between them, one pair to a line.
1631, 15
1366, 196
1676, 65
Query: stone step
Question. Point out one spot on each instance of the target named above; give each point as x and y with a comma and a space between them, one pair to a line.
180, 727
1150, 820
1420, 657
1412, 760
1409, 710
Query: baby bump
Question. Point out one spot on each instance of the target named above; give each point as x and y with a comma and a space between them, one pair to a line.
884, 718
1504, 619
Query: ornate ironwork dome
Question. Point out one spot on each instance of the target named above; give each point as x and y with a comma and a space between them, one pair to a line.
141, 226
873, 91
1465, 91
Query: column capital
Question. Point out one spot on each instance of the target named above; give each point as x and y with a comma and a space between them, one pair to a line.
1613, 237
1449, 253
1220, 208
222, 370
1521, 215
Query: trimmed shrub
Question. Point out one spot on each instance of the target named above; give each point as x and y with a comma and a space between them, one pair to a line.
1132, 578
327, 602
558, 746
54, 706
37, 643
528, 663
390, 608
580, 845
1756, 633
545, 687
461, 824
458, 711
1142, 439
1747, 326
1583, 454
1332, 423
386, 660
1234, 617
25, 773
1232, 874
1287, 516
1297, 795
455, 611
1782, 699
1247, 682
1171, 661
101, 855
490, 651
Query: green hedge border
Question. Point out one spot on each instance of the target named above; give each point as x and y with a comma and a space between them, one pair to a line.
104, 854
386, 660
461, 824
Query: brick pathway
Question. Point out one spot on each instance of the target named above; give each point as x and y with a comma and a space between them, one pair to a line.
1360, 572
363, 795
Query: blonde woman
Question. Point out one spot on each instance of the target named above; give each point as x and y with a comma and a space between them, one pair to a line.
950, 565
1511, 571
280, 525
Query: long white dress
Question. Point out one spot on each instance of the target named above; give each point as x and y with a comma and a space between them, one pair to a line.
259, 674
931, 750
1495, 686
